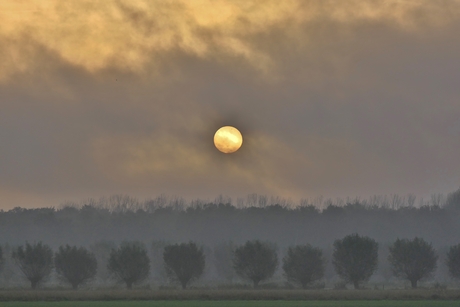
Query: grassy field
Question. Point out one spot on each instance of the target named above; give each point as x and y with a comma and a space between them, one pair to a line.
229, 295
209, 297
236, 304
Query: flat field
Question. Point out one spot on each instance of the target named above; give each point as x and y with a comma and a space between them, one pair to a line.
51, 295
235, 304
230, 298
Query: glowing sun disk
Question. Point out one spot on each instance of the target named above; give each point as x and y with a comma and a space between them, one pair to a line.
228, 139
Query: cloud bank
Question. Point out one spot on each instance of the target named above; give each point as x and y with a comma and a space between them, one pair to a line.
333, 98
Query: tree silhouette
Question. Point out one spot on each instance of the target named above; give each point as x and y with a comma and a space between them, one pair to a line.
129, 263
453, 261
255, 261
184, 262
35, 262
355, 258
304, 264
453, 200
76, 265
412, 259
2, 260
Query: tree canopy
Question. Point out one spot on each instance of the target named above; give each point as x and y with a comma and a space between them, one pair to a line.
76, 265
256, 261
355, 258
412, 259
453, 261
129, 263
184, 262
35, 261
304, 264
2, 259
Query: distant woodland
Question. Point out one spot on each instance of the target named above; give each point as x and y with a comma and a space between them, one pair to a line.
100, 225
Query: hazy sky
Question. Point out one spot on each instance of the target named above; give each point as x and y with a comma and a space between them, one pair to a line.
334, 98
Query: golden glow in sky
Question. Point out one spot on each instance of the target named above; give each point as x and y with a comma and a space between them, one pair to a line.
335, 98
133, 35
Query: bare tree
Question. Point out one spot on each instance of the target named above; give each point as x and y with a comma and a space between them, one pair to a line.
122, 203
437, 200
453, 200
262, 201
251, 200
411, 200
396, 201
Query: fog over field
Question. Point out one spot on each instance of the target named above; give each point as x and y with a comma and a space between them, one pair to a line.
354, 98
221, 225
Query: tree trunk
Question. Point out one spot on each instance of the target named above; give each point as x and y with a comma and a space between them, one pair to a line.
129, 285
413, 283
256, 284
75, 286
356, 284
34, 284
184, 284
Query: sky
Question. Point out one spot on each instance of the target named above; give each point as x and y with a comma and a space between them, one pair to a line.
333, 98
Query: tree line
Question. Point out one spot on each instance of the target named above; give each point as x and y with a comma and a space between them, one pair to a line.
121, 218
355, 259
123, 203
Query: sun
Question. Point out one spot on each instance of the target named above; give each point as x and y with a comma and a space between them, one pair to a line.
228, 139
